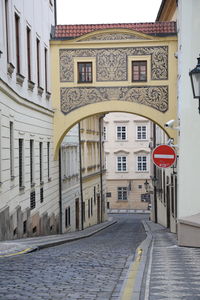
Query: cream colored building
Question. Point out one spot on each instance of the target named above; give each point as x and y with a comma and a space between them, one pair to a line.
29, 189
83, 176
93, 171
126, 140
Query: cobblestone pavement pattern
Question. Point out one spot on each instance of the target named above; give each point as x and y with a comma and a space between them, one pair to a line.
174, 271
91, 268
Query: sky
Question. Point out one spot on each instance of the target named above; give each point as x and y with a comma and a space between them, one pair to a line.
106, 11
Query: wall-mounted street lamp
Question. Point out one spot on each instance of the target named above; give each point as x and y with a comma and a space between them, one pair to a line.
146, 186
195, 81
154, 181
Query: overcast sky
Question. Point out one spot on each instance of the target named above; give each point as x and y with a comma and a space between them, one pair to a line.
106, 11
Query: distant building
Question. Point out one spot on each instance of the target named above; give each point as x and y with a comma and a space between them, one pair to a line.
83, 176
127, 138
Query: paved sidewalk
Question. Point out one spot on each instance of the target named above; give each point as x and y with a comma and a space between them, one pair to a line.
26, 245
171, 272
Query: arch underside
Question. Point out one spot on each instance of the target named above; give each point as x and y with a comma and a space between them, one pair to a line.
74, 109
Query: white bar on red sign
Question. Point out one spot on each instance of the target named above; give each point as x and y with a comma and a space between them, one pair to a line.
163, 156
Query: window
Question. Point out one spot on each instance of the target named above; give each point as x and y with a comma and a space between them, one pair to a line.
41, 194
121, 133
17, 41
88, 208
11, 151
21, 163
38, 61
85, 72
121, 164
91, 206
122, 193
142, 163
48, 159
45, 70
141, 132
104, 133
41, 161
139, 71
67, 217
7, 31
32, 200
31, 162
28, 36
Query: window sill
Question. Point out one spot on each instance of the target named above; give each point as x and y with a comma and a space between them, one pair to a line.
40, 91
10, 69
84, 82
22, 188
31, 85
48, 95
122, 200
20, 79
121, 171
121, 140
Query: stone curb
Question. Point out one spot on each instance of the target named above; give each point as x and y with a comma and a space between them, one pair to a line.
145, 248
31, 248
57, 243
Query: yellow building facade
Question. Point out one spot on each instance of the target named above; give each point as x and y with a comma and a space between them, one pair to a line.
111, 53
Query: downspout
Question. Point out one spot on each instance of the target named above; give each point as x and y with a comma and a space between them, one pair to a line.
101, 167
81, 178
154, 175
55, 13
60, 194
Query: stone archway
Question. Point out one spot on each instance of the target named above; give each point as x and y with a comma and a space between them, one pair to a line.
62, 122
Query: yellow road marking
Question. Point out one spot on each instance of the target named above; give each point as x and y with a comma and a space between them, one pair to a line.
17, 253
130, 282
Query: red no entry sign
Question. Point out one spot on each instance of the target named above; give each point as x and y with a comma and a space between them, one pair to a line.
164, 156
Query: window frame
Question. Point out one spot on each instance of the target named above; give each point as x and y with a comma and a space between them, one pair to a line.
17, 43
124, 193
119, 134
29, 67
21, 163
137, 132
121, 163
138, 63
84, 63
142, 162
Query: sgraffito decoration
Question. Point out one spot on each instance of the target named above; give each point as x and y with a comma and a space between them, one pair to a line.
113, 37
75, 97
112, 63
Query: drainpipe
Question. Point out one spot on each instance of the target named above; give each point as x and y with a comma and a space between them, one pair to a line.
101, 167
81, 178
55, 12
60, 194
154, 174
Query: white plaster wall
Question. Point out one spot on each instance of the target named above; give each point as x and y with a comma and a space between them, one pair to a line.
132, 146
30, 113
39, 16
28, 124
189, 49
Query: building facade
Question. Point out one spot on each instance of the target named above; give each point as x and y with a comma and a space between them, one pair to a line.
29, 189
83, 175
126, 140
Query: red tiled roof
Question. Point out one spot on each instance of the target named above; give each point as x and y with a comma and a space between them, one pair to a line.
154, 28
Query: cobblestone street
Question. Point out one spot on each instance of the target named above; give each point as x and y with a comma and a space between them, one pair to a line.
91, 268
